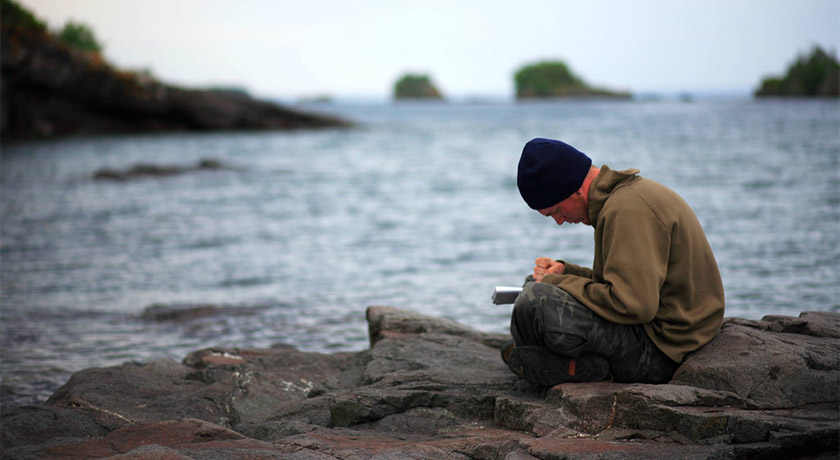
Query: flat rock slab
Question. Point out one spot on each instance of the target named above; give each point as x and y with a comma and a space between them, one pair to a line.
432, 388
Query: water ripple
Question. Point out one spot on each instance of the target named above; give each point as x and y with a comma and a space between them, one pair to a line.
417, 209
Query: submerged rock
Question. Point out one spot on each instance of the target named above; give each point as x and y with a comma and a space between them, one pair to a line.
188, 312
144, 170
432, 388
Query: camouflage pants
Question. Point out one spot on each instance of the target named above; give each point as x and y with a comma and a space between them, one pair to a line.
548, 316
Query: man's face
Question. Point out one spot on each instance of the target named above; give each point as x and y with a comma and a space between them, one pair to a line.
572, 210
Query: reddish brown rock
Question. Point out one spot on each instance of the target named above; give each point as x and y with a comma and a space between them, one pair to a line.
170, 439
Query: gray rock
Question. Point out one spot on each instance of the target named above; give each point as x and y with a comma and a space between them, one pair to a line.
395, 322
116, 397
776, 363
433, 388
26, 432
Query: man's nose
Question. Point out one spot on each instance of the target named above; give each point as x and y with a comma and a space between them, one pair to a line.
559, 219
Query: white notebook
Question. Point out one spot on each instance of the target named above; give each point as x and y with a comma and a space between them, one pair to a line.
505, 294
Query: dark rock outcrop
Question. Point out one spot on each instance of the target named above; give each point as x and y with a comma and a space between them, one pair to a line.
50, 89
433, 388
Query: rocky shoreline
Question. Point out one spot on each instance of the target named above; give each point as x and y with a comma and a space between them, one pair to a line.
50, 89
433, 388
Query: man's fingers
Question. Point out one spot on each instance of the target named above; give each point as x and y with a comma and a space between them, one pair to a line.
557, 267
544, 262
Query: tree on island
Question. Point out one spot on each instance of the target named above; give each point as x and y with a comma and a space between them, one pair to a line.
815, 75
553, 79
79, 36
415, 86
16, 21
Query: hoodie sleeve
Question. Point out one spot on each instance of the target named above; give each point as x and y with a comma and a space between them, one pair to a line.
634, 255
574, 269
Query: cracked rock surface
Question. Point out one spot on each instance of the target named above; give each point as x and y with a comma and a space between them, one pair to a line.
432, 388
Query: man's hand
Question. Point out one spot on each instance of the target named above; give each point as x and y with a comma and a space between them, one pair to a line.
545, 265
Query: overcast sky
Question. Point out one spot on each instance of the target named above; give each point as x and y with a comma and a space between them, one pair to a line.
303, 48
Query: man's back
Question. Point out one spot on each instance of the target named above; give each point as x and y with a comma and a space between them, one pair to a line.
653, 293
652, 263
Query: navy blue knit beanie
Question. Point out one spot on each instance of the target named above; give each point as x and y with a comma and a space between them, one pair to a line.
550, 171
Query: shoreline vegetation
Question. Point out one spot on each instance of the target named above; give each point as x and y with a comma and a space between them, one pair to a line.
814, 75
554, 79
58, 84
416, 86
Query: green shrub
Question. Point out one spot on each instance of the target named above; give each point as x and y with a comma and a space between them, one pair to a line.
14, 18
79, 36
412, 86
546, 79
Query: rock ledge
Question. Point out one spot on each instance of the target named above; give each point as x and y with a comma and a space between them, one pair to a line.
433, 388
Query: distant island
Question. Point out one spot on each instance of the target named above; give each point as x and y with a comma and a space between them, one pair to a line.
57, 84
416, 86
554, 79
814, 75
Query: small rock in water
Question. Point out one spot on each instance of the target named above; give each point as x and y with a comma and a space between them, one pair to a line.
143, 170
189, 312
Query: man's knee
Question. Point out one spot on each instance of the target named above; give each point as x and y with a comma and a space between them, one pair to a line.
526, 318
567, 322
546, 315
525, 309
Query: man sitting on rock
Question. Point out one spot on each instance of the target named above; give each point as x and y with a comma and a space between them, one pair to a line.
654, 291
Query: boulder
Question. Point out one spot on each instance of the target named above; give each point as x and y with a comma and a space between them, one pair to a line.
433, 388
776, 363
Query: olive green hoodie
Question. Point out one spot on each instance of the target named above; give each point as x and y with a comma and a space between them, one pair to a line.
652, 266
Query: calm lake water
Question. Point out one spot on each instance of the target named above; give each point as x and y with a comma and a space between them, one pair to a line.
417, 208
